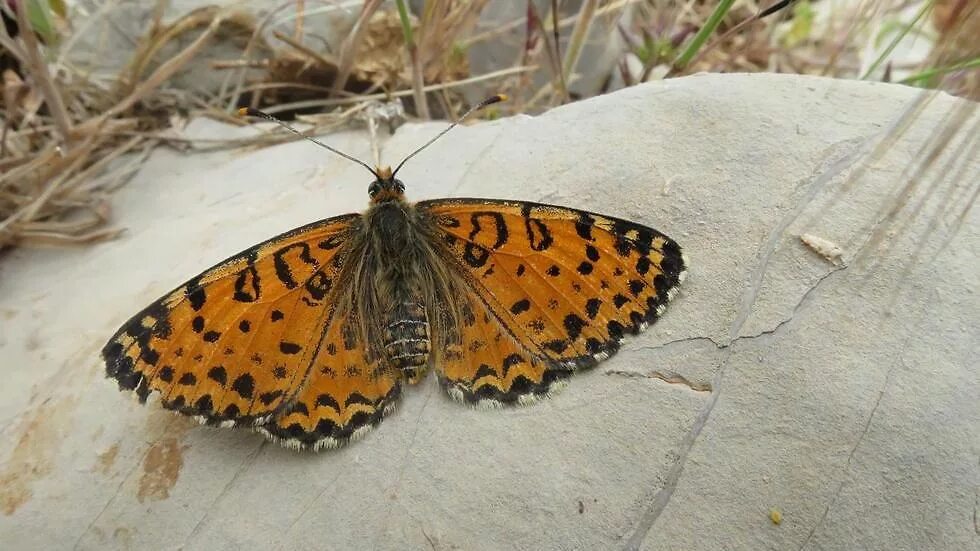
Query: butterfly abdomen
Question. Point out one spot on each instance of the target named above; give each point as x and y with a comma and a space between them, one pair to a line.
406, 340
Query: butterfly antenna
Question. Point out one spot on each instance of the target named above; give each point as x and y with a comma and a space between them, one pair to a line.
489, 101
248, 111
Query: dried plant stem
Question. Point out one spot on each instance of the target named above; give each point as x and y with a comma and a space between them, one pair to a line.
39, 69
556, 33
564, 22
418, 78
349, 46
577, 40
398, 93
164, 72
322, 59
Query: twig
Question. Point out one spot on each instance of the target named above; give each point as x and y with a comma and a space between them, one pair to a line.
164, 72
349, 46
418, 78
556, 31
39, 70
398, 93
577, 40
509, 26
322, 59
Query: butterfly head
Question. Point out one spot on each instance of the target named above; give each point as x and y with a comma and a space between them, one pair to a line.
386, 187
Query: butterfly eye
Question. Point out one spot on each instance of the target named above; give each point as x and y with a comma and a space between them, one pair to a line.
374, 188
399, 186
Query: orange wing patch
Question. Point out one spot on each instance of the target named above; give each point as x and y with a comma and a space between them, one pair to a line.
234, 344
346, 394
566, 283
489, 367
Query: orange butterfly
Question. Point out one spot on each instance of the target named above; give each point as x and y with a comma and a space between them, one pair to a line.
309, 336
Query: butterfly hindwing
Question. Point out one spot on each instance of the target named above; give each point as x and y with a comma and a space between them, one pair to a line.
235, 343
566, 283
489, 367
345, 395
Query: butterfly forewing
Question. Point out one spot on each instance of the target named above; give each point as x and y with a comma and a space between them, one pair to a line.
566, 283
235, 343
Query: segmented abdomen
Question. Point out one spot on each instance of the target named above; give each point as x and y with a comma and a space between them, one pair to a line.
407, 340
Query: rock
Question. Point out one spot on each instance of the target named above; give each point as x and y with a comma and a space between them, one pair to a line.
840, 395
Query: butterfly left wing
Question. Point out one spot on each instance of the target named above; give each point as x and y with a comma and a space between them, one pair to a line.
233, 345
566, 284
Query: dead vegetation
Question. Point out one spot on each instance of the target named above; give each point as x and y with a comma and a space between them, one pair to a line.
70, 136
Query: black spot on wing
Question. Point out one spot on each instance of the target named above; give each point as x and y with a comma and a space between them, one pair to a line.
510, 361
318, 285
283, 269
247, 287
289, 347
538, 234
244, 385
357, 398
475, 255
484, 371
195, 294
268, 397
166, 374
573, 325
330, 243
583, 226
592, 307
591, 253
218, 375
481, 221
557, 346
642, 265
326, 400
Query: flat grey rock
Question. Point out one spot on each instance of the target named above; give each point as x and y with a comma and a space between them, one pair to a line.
840, 394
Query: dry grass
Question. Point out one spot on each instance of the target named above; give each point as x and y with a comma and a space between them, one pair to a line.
68, 139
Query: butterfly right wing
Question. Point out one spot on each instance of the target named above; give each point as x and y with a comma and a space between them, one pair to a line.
234, 344
566, 283
489, 367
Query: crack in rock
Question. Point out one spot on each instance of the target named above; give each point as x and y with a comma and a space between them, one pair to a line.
850, 457
663, 496
670, 377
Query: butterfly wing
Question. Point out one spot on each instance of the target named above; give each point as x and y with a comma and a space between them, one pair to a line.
346, 394
565, 284
490, 367
235, 344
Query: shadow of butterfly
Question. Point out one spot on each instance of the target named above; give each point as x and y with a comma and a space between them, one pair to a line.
309, 337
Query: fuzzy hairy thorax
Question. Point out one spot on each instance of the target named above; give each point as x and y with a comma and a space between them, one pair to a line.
395, 258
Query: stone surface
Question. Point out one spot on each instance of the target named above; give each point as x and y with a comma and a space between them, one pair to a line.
841, 395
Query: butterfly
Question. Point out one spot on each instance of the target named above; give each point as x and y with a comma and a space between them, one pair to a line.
309, 337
